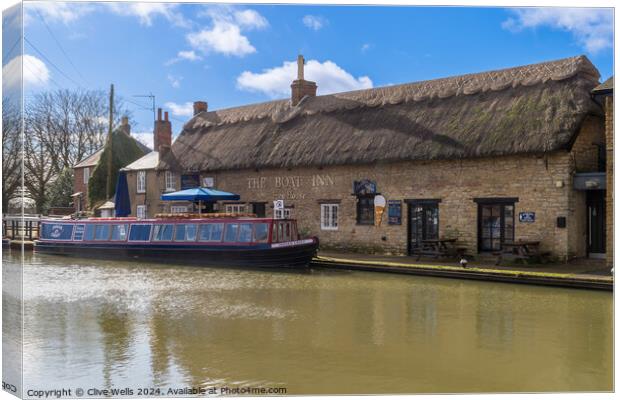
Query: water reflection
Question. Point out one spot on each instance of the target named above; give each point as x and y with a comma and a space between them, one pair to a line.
94, 323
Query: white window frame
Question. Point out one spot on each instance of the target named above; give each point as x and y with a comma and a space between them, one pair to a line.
178, 209
141, 211
141, 182
235, 208
86, 175
170, 181
328, 221
284, 213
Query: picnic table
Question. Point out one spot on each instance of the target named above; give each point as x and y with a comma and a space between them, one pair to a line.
443, 247
527, 250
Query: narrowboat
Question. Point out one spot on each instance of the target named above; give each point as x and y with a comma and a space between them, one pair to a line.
213, 241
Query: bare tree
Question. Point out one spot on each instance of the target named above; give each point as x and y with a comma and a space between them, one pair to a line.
61, 128
11, 151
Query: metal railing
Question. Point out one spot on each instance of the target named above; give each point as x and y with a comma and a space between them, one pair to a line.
20, 227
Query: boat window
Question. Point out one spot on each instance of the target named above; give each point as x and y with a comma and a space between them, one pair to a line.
162, 233
280, 233
185, 232
261, 232
245, 232
140, 233
119, 232
274, 234
90, 232
211, 232
231, 232
57, 231
294, 232
102, 232
287, 231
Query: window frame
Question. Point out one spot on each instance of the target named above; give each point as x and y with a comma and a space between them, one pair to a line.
141, 207
286, 213
170, 184
199, 233
141, 182
240, 208
86, 175
358, 207
132, 226
327, 209
502, 203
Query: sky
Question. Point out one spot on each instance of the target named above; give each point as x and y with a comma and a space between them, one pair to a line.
232, 55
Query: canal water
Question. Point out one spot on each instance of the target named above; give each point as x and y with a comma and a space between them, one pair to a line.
101, 324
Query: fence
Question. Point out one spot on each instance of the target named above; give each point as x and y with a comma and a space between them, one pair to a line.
20, 227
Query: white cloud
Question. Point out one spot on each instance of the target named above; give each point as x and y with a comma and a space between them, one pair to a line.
182, 110
189, 55
146, 12
274, 82
55, 12
250, 19
366, 47
36, 73
591, 27
224, 37
175, 81
314, 22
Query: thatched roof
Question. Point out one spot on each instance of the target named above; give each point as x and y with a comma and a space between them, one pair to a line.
530, 109
605, 87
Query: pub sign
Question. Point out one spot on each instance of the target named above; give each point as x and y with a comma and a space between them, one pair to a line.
365, 186
527, 216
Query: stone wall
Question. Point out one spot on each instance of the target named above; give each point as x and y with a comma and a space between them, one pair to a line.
609, 138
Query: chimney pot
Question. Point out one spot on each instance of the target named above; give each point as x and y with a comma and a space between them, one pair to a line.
300, 87
166, 116
159, 114
124, 120
200, 106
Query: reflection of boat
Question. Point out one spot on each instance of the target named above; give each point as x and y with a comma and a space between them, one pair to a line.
213, 241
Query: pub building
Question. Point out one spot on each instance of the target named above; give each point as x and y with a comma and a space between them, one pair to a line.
486, 158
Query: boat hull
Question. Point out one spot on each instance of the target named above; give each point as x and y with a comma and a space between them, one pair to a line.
266, 256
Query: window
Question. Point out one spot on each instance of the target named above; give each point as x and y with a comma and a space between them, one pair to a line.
185, 232
284, 213
102, 232
259, 209
329, 217
140, 233
366, 209
261, 232
496, 222
178, 209
86, 175
90, 232
235, 208
141, 211
211, 232
245, 233
141, 181
231, 232
170, 181
163, 233
119, 232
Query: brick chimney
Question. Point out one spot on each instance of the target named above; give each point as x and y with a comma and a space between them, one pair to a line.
301, 87
125, 127
162, 134
200, 106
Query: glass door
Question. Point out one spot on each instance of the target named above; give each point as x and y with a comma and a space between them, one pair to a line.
496, 226
423, 223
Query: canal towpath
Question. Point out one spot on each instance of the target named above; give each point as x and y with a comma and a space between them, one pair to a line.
580, 273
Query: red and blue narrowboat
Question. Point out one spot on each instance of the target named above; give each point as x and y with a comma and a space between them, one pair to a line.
214, 241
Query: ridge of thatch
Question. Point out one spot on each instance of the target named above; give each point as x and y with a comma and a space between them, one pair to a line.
533, 108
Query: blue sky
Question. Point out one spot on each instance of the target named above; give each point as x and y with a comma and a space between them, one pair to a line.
241, 54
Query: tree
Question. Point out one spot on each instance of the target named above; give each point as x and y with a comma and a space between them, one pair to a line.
61, 128
11, 152
59, 194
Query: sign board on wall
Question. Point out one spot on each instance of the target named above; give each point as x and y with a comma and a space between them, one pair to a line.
190, 181
527, 216
394, 212
365, 186
278, 205
208, 182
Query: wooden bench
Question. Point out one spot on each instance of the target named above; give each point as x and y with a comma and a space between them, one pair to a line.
528, 251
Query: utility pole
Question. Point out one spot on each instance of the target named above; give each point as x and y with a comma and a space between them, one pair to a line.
109, 144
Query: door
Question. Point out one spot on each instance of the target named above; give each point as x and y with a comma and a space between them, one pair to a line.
495, 225
595, 203
259, 209
423, 223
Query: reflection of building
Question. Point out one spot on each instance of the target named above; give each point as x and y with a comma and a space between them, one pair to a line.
488, 158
